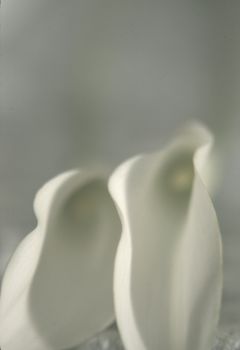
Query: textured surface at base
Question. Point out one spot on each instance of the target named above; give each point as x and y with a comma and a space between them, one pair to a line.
227, 341
110, 340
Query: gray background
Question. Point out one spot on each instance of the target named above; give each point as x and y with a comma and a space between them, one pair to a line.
98, 81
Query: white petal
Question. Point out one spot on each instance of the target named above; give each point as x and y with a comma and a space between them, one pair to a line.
57, 289
167, 284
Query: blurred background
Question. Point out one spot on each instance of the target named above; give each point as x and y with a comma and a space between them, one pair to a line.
96, 81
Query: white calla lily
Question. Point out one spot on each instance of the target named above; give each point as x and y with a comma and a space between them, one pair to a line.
168, 279
57, 289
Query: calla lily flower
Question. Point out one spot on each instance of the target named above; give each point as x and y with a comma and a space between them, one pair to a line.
57, 289
168, 281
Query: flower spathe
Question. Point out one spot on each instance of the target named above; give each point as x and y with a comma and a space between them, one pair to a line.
167, 280
57, 289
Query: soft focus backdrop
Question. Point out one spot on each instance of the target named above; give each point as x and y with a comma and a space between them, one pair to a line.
96, 81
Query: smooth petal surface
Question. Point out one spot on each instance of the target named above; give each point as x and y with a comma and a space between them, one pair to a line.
168, 266
57, 289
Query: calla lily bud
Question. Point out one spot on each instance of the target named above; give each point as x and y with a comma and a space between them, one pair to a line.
168, 269
57, 289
